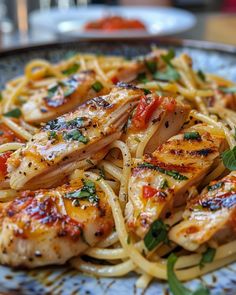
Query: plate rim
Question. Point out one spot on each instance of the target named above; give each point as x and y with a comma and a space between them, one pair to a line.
162, 41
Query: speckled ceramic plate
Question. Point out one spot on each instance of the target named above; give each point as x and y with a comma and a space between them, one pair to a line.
219, 59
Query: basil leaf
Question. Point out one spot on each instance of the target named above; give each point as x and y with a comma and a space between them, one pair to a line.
192, 136
170, 74
151, 65
72, 70
207, 256
229, 159
142, 77
231, 89
97, 86
168, 57
15, 113
176, 287
201, 75
157, 233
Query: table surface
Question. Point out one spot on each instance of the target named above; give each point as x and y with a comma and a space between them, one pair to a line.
214, 27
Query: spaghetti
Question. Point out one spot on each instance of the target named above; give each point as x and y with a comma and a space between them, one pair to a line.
122, 252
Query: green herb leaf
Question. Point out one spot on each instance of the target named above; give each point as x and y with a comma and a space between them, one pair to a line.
1, 98
15, 113
164, 184
229, 159
88, 191
201, 75
231, 89
207, 256
137, 139
72, 70
75, 135
172, 173
192, 136
97, 86
142, 77
146, 91
157, 233
52, 91
151, 65
215, 186
170, 74
52, 135
176, 287
168, 57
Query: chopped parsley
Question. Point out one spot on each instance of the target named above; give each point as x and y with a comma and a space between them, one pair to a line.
97, 86
168, 57
164, 184
72, 70
157, 233
192, 136
176, 287
207, 256
52, 135
229, 159
172, 173
215, 186
142, 77
201, 75
151, 66
146, 91
75, 135
15, 113
87, 192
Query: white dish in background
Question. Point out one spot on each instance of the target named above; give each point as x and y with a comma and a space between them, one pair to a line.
159, 21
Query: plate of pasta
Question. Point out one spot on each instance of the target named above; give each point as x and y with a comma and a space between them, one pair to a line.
117, 169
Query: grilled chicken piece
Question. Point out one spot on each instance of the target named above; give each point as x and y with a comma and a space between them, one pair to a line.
61, 97
161, 116
160, 180
211, 215
66, 143
51, 226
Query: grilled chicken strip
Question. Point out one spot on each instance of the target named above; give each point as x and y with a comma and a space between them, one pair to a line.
61, 97
210, 215
51, 226
160, 180
161, 116
69, 141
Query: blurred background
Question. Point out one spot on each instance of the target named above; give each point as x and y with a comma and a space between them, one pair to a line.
39, 21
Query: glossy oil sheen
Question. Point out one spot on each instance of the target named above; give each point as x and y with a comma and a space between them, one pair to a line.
63, 280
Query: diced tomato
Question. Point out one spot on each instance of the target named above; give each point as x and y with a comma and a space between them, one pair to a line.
3, 163
113, 23
149, 192
144, 111
114, 80
169, 104
7, 135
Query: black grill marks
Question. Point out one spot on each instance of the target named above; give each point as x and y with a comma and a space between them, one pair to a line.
202, 152
101, 102
127, 86
226, 201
